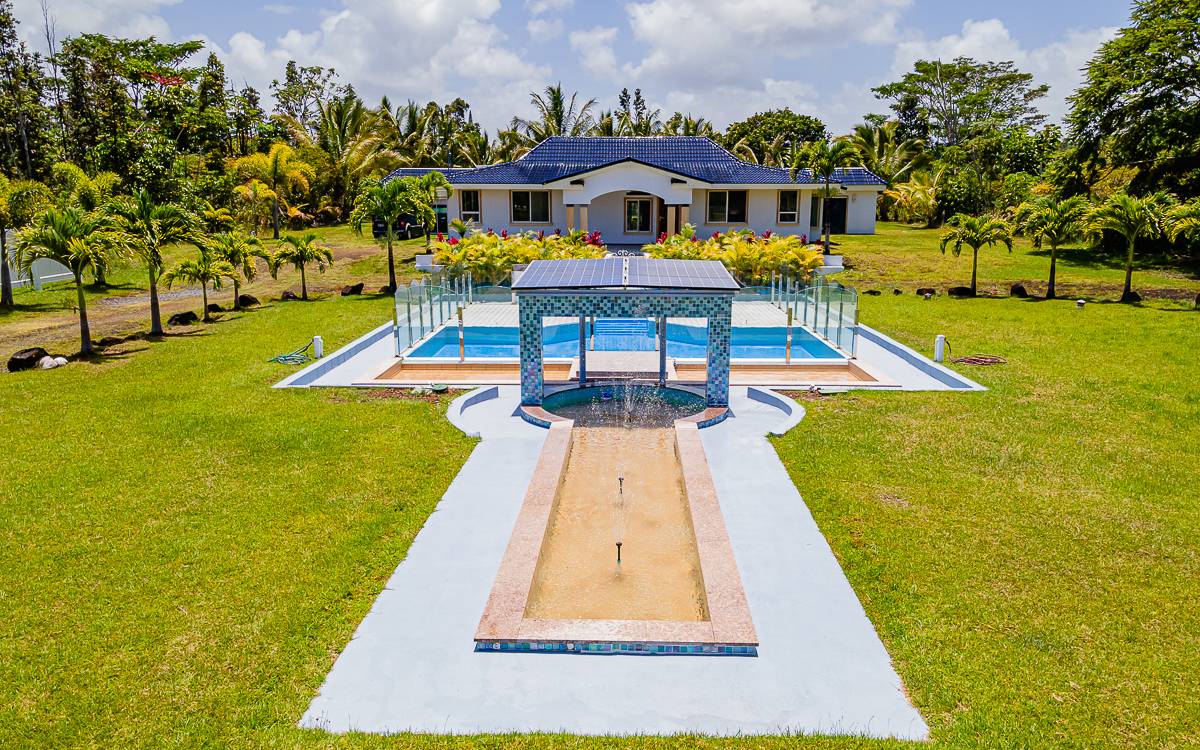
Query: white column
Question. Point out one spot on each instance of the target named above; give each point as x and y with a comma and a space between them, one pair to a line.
672, 213
583, 212
570, 217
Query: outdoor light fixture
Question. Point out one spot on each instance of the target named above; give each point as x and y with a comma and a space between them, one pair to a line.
1079, 304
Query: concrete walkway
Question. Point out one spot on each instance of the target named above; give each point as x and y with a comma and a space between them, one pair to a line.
821, 668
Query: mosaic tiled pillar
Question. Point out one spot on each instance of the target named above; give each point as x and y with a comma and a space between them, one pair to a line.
720, 325
531, 352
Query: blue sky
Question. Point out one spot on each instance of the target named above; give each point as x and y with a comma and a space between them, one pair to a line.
724, 59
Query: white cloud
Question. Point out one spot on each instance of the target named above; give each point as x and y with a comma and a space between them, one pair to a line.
280, 9
1058, 64
595, 50
537, 7
123, 18
544, 29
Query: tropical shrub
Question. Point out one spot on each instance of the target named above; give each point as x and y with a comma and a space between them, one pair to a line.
750, 257
489, 257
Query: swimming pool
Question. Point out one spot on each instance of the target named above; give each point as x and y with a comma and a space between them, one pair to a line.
683, 341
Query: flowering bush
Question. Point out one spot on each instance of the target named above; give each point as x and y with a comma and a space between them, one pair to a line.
489, 257
749, 257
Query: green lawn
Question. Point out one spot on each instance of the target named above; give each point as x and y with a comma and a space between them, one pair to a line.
186, 550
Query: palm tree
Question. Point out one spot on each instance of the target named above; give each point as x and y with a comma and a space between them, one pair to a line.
20, 201
353, 138
280, 169
882, 152
917, 199
822, 158
207, 268
427, 190
1184, 221
258, 203
975, 232
239, 250
216, 218
76, 238
1132, 218
148, 226
681, 124
387, 202
299, 251
73, 187
1052, 221
475, 148
556, 115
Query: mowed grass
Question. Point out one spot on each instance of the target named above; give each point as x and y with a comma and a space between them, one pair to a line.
186, 550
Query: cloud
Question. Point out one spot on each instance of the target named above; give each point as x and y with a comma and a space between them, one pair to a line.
595, 50
123, 18
537, 7
280, 9
544, 29
1058, 63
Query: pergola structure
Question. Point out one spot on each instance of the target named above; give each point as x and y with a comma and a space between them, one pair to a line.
633, 287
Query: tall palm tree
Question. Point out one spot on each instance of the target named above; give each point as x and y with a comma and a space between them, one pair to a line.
822, 159
239, 250
20, 202
280, 169
206, 268
1133, 218
975, 232
405, 133
882, 151
557, 114
299, 251
1050, 220
354, 139
147, 226
685, 124
76, 238
387, 202
475, 148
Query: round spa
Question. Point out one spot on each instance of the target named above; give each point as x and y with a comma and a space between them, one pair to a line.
624, 405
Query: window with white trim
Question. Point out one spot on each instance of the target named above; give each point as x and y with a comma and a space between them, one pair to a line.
468, 206
726, 206
637, 214
531, 206
789, 206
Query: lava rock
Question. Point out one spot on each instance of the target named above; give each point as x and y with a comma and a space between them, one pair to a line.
26, 359
922, 291
1197, 305
214, 307
387, 289
289, 295
109, 341
352, 289
1131, 297
960, 291
247, 300
897, 292
185, 318
1018, 290
873, 292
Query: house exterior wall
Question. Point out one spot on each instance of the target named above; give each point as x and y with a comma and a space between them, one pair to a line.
606, 213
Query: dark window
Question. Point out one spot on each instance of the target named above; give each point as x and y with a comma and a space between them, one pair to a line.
727, 207
531, 207
637, 214
789, 206
469, 206
814, 214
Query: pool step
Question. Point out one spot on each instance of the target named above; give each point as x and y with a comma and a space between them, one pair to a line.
623, 327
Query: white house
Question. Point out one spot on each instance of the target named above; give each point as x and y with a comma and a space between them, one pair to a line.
633, 189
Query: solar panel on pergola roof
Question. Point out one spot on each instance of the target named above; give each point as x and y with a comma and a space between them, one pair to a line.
679, 274
635, 272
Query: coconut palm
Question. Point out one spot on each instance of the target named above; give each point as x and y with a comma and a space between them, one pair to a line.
207, 268
1050, 220
20, 202
80, 241
354, 140
822, 159
475, 148
975, 232
387, 202
147, 227
299, 251
240, 250
884, 153
1133, 218
280, 169
681, 124
556, 115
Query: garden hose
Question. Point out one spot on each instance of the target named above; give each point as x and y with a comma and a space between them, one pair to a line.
297, 357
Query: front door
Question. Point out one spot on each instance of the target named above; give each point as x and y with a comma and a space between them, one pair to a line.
661, 226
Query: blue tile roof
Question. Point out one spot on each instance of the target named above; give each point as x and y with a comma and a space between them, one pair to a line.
694, 157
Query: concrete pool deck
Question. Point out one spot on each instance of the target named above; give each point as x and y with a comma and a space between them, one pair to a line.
821, 667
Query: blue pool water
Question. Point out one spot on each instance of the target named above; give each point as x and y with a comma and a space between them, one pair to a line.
686, 342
